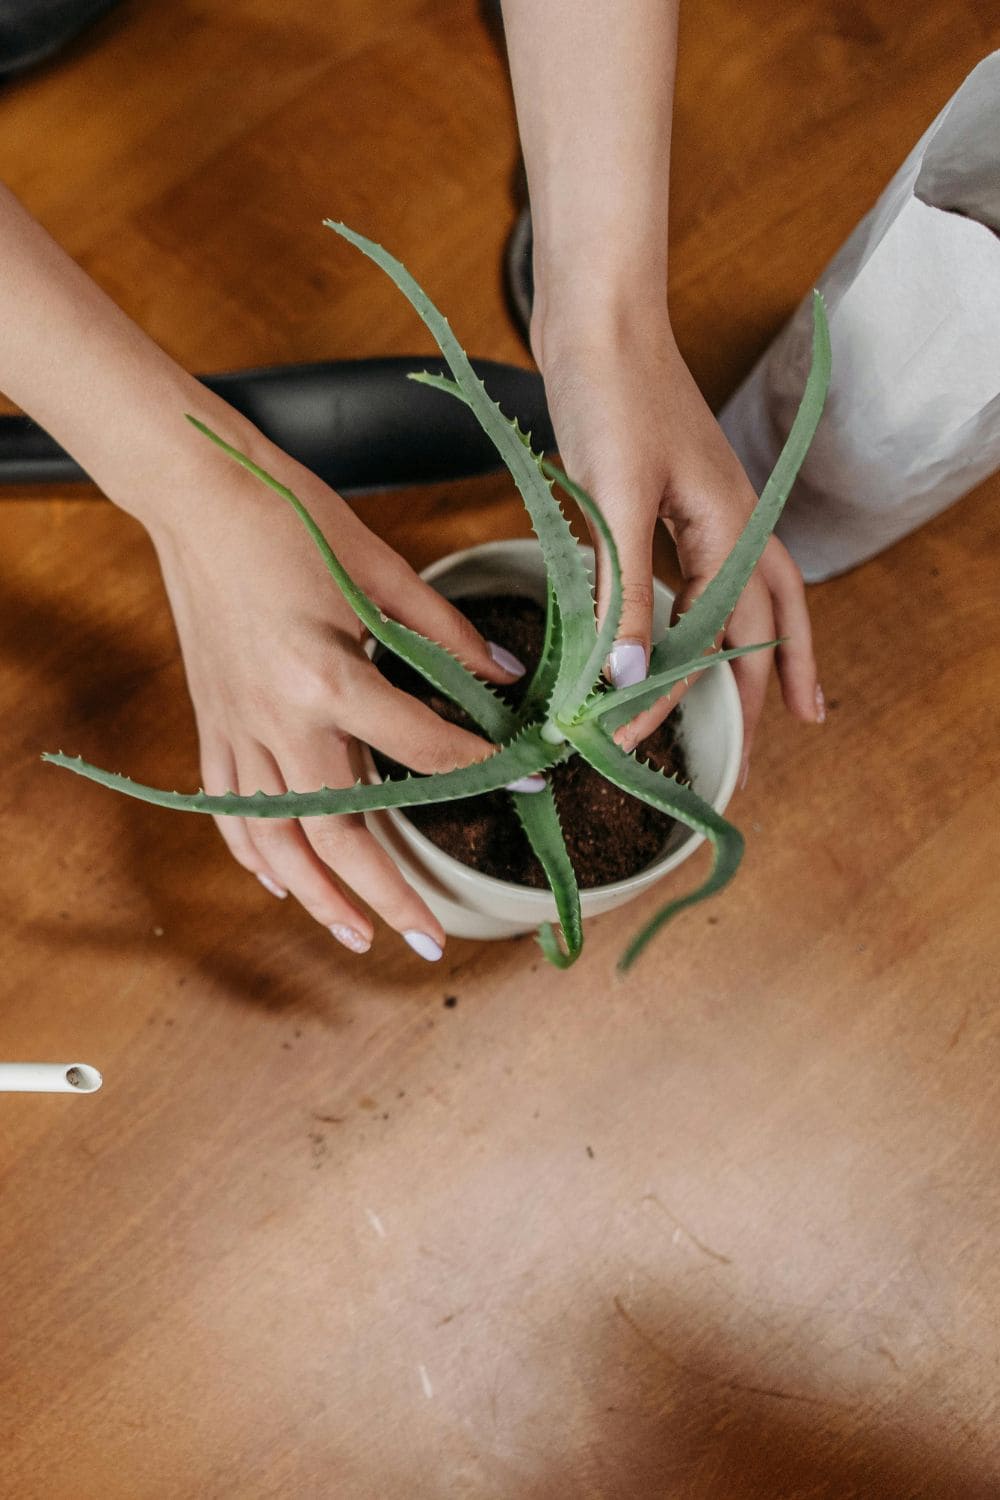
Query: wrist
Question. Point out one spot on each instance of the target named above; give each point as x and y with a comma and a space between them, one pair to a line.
166, 468
603, 314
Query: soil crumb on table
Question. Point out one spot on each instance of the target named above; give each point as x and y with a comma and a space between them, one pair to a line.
609, 835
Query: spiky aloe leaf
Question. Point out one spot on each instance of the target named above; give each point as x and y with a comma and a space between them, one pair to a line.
524, 756
671, 797
535, 703
699, 626
540, 821
537, 811
540, 690
432, 661
560, 691
548, 940
618, 707
577, 692
559, 546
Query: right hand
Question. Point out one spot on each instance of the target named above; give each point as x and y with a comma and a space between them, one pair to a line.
633, 428
280, 683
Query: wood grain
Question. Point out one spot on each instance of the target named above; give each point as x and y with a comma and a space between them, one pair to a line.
725, 1232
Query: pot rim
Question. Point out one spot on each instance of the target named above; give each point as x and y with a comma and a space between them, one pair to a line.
542, 896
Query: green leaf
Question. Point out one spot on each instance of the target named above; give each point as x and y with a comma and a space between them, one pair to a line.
535, 704
576, 693
622, 705
431, 660
540, 821
524, 756
680, 802
538, 694
697, 629
443, 383
559, 546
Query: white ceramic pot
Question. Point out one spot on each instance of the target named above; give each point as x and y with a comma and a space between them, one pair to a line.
469, 904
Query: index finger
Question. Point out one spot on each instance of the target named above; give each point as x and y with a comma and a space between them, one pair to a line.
406, 730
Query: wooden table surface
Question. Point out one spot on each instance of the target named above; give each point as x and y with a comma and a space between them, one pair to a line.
727, 1230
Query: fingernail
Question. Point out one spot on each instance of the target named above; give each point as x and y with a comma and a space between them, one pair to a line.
527, 784
350, 938
272, 886
820, 705
745, 774
625, 738
425, 945
506, 660
627, 663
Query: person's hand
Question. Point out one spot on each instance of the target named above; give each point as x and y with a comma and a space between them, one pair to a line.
280, 683
634, 430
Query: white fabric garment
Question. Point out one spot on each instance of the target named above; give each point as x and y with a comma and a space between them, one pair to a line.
913, 416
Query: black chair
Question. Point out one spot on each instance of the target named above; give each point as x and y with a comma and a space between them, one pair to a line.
32, 31
359, 424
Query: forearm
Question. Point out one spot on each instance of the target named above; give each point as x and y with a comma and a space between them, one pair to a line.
593, 86
78, 366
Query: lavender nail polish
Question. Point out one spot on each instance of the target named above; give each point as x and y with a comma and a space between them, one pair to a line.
424, 944
527, 784
272, 886
506, 660
820, 705
350, 937
627, 663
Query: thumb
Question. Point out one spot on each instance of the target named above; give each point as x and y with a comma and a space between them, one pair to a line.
628, 659
629, 735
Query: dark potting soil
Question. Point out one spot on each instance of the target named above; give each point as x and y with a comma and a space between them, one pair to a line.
609, 835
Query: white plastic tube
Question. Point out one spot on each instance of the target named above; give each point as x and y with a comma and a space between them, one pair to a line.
49, 1078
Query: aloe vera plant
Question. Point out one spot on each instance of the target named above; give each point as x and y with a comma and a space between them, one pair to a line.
564, 712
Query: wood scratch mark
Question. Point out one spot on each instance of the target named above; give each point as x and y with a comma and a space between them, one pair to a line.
450, 1317
777, 1395
376, 1223
956, 1034
638, 1330
723, 1260
721, 1382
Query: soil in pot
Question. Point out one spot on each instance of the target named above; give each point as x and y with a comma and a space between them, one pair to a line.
609, 835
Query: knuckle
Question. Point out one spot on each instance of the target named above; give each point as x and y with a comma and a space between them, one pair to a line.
425, 753
335, 838
324, 900
397, 903
428, 760
639, 595
468, 641
322, 909
309, 688
270, 835
215, 783
443, 756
